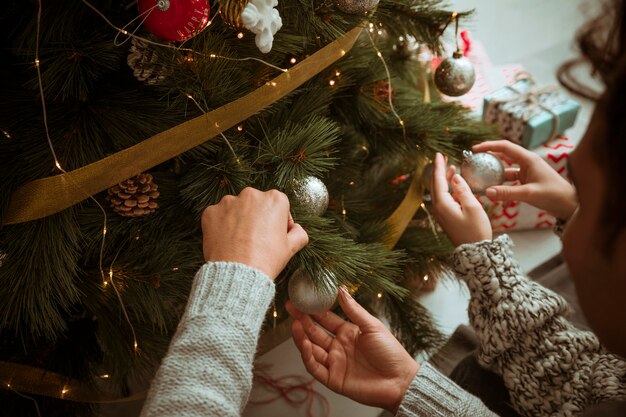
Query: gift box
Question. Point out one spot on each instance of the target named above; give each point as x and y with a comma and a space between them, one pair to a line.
514, 215
528, 115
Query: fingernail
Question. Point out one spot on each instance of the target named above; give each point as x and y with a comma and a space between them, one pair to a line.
456, 179
490, 192
345, 291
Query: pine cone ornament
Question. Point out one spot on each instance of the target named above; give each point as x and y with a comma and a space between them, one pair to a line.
135, 196
144, 61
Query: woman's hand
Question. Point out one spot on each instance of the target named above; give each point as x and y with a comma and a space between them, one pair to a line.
361, 360
254, 228
460, 214
541, 186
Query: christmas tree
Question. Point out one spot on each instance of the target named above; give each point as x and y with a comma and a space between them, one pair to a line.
120, 122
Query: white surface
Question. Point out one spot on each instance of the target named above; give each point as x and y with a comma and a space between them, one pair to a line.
538, 34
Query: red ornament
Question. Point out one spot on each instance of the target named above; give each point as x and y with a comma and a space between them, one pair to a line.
383, 90
174, 20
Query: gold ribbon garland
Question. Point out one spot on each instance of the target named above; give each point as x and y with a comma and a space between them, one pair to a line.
47, 196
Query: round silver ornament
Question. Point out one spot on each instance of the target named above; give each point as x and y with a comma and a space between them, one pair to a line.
311, 193
455, 75
306, 297
481, 171
357, 6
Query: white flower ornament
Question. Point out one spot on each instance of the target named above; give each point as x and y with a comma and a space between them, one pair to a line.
261, 18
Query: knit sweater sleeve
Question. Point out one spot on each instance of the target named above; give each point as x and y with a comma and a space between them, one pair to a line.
548, 366
434, 395
208, 368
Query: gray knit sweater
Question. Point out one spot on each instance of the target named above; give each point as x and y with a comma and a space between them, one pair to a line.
549, 367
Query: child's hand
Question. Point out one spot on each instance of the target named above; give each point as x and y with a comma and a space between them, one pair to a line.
361, 360
460, 214
541, 185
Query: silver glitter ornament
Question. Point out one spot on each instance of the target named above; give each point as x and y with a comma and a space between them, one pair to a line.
311, 193
455, 75
481, 171
357, 6
306, 297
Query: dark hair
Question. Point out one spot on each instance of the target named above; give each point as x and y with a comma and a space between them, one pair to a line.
602, 43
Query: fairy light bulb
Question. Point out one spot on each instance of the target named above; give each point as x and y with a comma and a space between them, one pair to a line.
331, 82
293, 60
240, 128
240, 35
379, 295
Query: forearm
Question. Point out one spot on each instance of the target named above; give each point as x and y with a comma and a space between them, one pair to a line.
434, 395
208, 368
548, 366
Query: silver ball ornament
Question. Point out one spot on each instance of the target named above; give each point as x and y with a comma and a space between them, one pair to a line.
481, 171
311, 193
455, 75
357, 6
306, 297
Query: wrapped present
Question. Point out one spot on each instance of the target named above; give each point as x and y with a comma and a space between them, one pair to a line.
528, 115
514, 215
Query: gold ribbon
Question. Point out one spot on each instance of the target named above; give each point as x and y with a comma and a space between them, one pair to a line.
46, 196
531, 99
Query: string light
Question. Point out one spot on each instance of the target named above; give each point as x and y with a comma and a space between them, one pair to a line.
293, 60
426, 277
5, 133
337, 73
175, 269
331, 82
389, 99
57, 164
240, 35
240, 128
105, 376
64, 391
379, 295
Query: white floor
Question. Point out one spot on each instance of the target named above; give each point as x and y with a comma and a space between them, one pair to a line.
537, 34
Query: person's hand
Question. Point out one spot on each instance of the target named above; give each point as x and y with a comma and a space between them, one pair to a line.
361, 360
541, 186
460, 214
255, 228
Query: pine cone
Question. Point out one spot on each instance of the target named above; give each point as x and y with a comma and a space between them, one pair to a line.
144, 61
135, 196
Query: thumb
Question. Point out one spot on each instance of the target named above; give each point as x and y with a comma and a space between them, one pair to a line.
463, 193
508, 192
355, 312
297, 238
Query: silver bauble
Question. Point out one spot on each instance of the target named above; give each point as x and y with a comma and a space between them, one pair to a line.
455, 75
311, 193
357, 6
481, 171
306, 297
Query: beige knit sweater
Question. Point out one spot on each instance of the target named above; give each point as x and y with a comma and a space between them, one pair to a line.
549, 367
